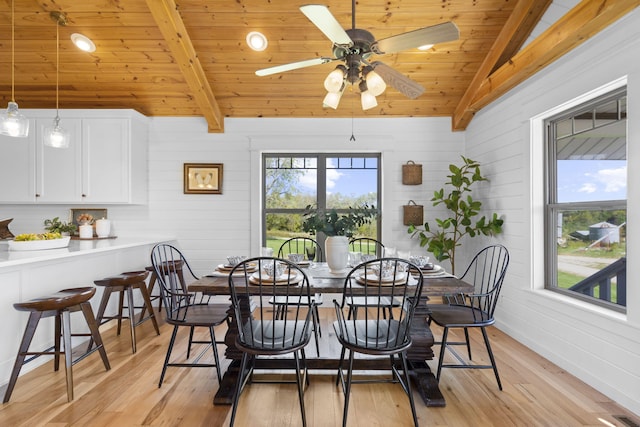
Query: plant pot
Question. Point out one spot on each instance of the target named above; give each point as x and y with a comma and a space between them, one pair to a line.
336, 249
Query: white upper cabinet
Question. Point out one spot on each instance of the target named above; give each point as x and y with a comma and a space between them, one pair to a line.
106, 162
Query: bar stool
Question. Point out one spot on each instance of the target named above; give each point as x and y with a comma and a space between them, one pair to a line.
152, 283
126, 282
60, 305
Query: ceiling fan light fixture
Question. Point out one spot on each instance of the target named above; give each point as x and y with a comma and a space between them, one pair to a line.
83, 42
257, 41
368, 100
335, 79
375, 83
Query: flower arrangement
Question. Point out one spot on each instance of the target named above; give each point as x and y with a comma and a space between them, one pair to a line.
85, 219
333, 224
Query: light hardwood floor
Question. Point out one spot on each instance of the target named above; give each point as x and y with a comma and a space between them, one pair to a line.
536, 393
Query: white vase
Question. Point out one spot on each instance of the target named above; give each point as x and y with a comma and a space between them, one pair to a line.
336, 250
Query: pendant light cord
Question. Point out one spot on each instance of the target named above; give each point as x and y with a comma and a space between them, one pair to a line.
13, 55
57, 63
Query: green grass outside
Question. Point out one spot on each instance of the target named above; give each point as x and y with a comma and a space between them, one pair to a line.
566, 280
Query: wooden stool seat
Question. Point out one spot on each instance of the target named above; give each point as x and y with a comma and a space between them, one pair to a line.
126, 282
60, 305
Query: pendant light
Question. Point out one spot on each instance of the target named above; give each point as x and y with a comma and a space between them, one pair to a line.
12, 122
56, 136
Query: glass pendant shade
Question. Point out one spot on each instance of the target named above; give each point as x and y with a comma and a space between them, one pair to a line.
332, 99
56, 136
375, 83
13, 123
335, 79
368, 100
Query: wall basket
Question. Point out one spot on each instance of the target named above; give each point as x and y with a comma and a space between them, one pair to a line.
411, 173
413, 214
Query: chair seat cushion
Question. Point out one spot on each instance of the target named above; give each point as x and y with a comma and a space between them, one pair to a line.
459, 316
278, 335
371, 302
373, 334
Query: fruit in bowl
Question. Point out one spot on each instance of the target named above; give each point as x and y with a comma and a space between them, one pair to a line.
38, 241
27, 237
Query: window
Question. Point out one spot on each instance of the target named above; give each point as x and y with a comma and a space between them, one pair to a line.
291, 182
586, 201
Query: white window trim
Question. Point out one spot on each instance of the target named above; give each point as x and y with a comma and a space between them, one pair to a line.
537, 190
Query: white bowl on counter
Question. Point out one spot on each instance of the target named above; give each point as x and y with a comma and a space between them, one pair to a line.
38, 245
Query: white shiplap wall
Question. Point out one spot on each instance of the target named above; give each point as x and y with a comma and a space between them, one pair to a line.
599, 347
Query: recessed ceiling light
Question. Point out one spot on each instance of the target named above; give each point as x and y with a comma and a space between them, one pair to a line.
83, 42
425, 47
257, 41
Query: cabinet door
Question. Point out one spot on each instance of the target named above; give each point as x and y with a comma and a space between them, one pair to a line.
59, 170
106, 175
18, 168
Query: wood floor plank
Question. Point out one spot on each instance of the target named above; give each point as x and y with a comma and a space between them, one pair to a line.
536, 392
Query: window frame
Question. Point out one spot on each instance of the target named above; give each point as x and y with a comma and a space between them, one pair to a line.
552, 208
321, 199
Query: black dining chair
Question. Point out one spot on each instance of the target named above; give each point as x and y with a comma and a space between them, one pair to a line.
486, 273
263, 331
367, 246
185, 309
380, 281
312, 251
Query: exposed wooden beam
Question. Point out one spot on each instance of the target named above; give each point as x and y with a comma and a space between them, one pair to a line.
522, 20
166, 15
578, 25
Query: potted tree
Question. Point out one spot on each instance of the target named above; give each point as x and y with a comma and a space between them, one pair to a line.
338, 228
445, 236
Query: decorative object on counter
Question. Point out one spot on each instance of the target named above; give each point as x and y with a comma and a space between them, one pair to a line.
4, 229
443, 240
203, 178
103, 227
413, 214
56, 226
86, 231
37, 242
87, 216
338, 228
411, 173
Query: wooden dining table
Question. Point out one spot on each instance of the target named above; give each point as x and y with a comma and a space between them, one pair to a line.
321, 280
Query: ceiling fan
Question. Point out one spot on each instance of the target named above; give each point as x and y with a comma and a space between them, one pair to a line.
355, 46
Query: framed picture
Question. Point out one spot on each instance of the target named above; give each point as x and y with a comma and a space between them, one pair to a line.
89, 215
203, 178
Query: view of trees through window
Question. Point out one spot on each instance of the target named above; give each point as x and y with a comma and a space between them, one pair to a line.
291, 182
587, 200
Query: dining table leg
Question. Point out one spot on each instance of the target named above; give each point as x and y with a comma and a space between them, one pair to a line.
423, 379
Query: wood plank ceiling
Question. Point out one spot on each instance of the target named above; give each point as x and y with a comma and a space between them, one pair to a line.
190, 58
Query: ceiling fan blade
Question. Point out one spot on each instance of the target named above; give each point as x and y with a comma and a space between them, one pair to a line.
293, 66
327, 23
397, 80
444, 32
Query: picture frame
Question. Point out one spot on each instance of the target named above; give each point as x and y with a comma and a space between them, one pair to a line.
203, 178
95, 213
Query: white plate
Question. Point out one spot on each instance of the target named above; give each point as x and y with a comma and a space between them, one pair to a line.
38, 245
372, 278
435, 270
283, 278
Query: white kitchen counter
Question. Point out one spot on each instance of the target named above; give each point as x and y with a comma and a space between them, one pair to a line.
25, 275
75, 248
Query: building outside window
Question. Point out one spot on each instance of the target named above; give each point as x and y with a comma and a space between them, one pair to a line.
586, 201
293, 181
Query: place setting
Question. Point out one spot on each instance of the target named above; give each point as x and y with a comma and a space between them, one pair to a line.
385, 273
428, 269
223, 270
275, 273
